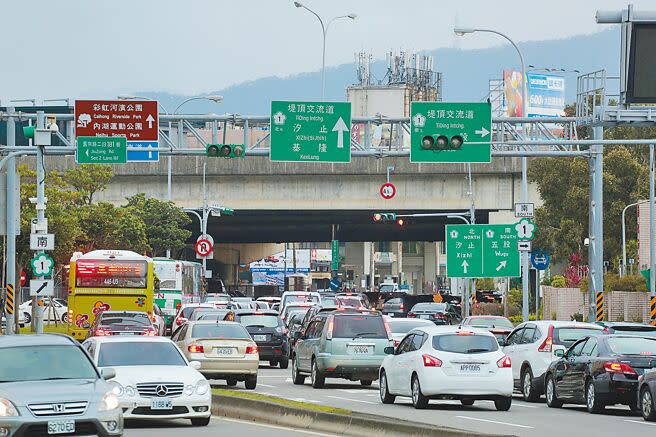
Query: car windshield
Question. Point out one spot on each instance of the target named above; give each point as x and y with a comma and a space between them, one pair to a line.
300, 298
465, 344
386, 288
186, 312
36, 363
220, 330
264, 320
350, 301
632, 345
329, 301
643, 331
136, 319
359, 326
428, 306
209, 314
139, 353
491, 322
401, 327
567, 336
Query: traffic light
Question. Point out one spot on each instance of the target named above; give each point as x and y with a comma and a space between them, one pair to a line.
441, 142
401, 222
225, 150
384, 216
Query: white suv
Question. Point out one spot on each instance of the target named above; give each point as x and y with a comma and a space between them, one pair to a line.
531, 348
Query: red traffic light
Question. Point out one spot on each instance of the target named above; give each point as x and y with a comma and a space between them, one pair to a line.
400, 222
378, 217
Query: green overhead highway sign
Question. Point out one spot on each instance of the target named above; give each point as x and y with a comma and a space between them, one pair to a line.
444, 132
482, 251
101, 150
310, 131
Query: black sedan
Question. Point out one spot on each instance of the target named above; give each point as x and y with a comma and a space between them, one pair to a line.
269, 333
438, 313
600, 370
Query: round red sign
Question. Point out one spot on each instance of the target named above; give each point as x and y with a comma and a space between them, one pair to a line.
203, 247
387, 190
23, 278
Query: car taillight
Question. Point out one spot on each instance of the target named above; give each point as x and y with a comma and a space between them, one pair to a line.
150, 332
153, 319
439, 316
617, 367
178, 306
179, 321
411, 314
331, 324
401, 307
504, 363
251, 350
547, 344
102, 333
431, 361
389, 331
196, 348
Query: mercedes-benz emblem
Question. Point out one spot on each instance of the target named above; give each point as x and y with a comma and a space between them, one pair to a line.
161, 391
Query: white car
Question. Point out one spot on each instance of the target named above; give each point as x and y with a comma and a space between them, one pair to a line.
296, 297
153, 378
447, 362
531, 346
400, 326
60, 311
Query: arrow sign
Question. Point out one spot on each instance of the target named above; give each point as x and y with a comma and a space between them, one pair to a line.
482, 132
501, 265
464, 265
150, 120
340, 127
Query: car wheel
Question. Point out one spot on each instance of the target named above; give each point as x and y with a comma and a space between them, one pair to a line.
231, 382
64, 318
528, 389
28, 318
284, 362
419, 401
365, 382
550, 393
318, 379
467, 402
201, 421
647, 400
297, 378
251, 382
503, 404
592, 401
385, 396
273, 363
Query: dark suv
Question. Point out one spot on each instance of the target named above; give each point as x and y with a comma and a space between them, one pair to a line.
269, 333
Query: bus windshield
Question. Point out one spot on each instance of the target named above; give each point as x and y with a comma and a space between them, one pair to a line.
111, 274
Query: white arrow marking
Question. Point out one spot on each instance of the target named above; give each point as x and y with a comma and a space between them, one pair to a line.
150, 120
482, 132
87, 152
501, 265
464, 265
340, 127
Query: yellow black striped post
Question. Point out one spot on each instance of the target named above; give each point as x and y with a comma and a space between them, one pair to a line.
600, 307
9, 304
653, 311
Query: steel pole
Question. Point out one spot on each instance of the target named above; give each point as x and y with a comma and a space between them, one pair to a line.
323, 65
11, 226
596, 223
652, 247
40, 212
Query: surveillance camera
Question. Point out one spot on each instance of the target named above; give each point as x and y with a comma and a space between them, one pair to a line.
586, 242
52, 127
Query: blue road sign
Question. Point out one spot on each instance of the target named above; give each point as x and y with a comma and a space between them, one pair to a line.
335, 284
149, 154
540, 260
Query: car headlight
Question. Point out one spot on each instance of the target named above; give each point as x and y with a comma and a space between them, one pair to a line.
7, 408
202, 387
108, 402
129, 391
189, 390
117, 388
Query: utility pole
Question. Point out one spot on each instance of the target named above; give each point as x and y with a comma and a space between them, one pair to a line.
12, 192
40, 209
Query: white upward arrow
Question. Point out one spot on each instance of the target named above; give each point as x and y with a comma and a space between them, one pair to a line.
464, 265
340, 127
150, 120
501, 265
482, 132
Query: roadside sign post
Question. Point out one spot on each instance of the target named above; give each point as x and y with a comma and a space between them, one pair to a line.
524, 210
310, 131
471, 121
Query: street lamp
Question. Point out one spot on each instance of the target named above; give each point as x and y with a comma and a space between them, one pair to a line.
324, 29
213, 98
461, 31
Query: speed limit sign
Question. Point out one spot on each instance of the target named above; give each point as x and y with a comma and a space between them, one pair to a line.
203, 248
387, 190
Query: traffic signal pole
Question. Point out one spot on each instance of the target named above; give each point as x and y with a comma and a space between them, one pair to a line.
12, 188
40, 212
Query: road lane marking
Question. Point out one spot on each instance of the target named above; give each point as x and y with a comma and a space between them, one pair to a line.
495, 421
288, 380
355, 391
640, 422
352, 400
262, 425
267, 386
515, 404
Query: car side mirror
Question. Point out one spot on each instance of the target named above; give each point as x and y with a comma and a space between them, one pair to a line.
559, 353
107, 373
194, 365
389, 350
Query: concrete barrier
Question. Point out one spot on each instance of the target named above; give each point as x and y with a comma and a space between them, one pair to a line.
353, 424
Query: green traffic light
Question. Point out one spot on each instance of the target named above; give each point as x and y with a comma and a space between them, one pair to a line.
28, 131
212, 150
456, 142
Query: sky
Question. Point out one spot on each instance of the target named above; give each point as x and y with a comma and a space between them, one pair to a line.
100, 48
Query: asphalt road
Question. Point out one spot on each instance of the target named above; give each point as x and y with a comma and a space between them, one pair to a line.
218, 427
523, 419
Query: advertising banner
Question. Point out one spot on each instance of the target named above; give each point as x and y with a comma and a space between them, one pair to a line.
546, 95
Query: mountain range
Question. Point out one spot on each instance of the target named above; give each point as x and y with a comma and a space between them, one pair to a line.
465, 74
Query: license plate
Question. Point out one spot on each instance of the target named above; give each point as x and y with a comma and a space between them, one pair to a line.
224, 351
390, 314
424, 316
161, 404
259, 337
61, 426
361, 350
470, 368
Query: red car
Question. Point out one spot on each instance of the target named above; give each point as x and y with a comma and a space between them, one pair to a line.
497, 325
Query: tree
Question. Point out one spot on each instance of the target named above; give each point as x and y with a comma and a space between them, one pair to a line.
88, 179
108, 227
165, 223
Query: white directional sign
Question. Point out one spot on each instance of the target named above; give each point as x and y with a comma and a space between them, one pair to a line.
524, 210
524, 246
42, 241
42, 287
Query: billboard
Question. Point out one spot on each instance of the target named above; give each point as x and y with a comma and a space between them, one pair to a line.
546, 94
271, 270
512, 87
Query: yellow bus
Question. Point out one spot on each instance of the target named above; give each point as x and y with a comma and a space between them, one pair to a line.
104, 280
